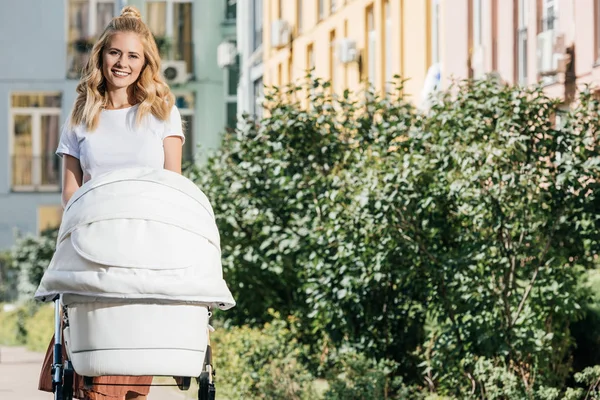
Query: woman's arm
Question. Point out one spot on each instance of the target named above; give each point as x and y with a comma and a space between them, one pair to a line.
72, 178
172, 146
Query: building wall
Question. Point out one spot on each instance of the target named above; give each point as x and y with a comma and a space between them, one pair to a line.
409, 48
577, 21
35, 60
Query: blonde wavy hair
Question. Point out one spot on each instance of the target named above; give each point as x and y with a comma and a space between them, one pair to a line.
150, 90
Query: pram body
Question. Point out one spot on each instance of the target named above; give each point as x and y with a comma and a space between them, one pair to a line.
138, 250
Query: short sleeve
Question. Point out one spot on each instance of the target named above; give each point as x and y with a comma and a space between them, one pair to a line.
68, 143
173, 126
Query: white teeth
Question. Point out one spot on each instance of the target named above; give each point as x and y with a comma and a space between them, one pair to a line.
119, 73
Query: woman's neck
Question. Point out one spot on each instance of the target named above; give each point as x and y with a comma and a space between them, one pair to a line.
119, 98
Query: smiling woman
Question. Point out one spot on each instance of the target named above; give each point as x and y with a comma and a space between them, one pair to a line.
124, 117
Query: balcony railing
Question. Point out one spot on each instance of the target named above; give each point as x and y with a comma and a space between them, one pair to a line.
35, 173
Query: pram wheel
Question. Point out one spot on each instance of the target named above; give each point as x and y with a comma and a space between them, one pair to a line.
206, 390
184, 382
67, 386
206, 387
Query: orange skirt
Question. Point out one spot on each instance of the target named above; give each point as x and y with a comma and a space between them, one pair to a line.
103, 388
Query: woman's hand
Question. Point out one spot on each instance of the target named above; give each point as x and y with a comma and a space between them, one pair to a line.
173, 150
72, 177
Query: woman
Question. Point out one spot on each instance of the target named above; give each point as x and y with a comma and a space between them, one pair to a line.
124, 116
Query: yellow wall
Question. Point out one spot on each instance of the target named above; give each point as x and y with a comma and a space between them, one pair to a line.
409, 48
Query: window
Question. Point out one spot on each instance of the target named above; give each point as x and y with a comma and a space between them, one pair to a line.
258, 23
548, 15
34, 126
258, 97
435, 31
310, 57
185, 102
171, 23
321, 10
522, 19
86, 21
387, 15
230, 10
332, 68
233, 77
332, 6
371, 43
476, 25
299, 15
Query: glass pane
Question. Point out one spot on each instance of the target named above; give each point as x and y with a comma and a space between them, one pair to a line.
189, 145
233, 79
36, 100
22, 151
231, 115
79, 43
79, 22
230, 9
49, 161
156, 18
258, 23
104, 15
182, 33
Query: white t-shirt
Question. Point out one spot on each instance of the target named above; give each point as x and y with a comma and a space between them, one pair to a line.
118, 143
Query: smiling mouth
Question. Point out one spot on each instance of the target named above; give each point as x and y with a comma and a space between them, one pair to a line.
120, 74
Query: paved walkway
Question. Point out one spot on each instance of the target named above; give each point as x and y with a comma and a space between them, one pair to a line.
20, 369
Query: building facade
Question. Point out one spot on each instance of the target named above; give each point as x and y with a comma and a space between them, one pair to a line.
250, 55
350, 42
38, 77
554, 42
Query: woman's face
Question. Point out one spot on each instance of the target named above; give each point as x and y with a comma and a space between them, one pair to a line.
122, 60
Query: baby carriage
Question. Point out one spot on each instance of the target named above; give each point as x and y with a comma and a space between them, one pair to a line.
138, 250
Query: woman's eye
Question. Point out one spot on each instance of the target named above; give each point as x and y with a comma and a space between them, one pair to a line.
113, 52
133, 56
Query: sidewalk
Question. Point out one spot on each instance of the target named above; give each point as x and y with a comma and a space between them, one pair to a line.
20, 369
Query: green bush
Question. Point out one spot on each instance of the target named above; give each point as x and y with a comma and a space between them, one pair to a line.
451, 242
357, 377
39, 327
261, 363
10, 334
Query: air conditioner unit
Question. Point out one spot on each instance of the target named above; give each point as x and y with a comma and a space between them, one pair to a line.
280, 33
175, 72
226, 54
478, 62
347, 51
551, 55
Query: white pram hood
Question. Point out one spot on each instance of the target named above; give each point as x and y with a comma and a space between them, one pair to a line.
138, 233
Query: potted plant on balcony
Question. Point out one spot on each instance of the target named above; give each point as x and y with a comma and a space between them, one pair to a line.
83, 45
163, 43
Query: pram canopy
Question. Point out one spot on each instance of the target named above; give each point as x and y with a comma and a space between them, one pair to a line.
138, 233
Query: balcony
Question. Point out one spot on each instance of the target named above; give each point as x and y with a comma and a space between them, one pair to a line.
35, 173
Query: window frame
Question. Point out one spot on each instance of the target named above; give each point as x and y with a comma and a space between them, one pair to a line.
36, 114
